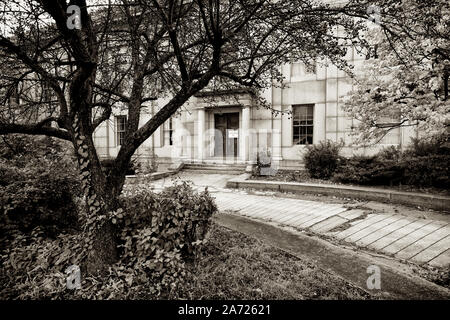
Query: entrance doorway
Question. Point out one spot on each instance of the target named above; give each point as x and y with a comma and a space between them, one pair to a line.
226, 135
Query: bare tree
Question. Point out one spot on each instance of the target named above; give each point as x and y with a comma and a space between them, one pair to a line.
130, 52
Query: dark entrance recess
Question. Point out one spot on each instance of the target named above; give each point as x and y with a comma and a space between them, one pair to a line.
226, 135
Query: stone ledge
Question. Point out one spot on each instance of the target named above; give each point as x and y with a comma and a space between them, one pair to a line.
436, 202
149, 177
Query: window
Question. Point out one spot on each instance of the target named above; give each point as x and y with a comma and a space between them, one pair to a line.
303, 125
168, 132
121, 122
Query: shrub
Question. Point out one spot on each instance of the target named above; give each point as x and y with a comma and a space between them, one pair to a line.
158, 234
321, 160
367, 170
427, 171
132, 169
435, 145
38, 186
390, 153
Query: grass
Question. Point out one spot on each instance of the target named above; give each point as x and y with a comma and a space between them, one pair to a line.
234, 266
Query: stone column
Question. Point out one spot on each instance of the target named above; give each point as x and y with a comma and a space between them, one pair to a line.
245, 133
177, 137
200, 133
276, 136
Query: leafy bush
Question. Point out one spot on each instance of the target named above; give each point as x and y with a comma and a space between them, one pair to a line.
38, 186
321, 160
158, 234
366, 170
435, 145
425, 163
132, 169
390, 153
427, 171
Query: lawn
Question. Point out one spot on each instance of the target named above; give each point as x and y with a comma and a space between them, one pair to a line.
235, 266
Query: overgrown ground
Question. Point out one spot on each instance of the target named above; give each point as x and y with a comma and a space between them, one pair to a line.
234, 266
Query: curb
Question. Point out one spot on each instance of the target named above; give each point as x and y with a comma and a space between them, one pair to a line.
346, 263
436, 202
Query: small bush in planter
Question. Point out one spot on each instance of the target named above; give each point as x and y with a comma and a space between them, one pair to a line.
321, 160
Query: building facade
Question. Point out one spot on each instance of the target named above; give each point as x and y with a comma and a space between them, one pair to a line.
234, 128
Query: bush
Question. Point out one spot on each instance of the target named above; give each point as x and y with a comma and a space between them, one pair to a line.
158, 234
321, 160
435, 145
390, 153
38, 186
132, 169
366, 170
178, 216
427, 171
424, 164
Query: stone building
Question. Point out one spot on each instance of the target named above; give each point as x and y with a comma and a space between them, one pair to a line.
233, 129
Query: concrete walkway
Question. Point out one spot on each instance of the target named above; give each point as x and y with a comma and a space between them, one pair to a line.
421, 241
395, 281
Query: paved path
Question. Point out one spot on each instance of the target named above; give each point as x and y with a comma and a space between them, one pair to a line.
417, 240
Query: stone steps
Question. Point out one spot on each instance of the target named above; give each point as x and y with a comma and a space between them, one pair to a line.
215, 168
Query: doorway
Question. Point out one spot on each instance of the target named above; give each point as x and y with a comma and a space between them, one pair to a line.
226, 135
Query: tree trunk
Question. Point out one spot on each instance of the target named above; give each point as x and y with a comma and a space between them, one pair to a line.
102, 244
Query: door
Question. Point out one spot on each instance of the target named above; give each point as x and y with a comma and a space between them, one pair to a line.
226, 135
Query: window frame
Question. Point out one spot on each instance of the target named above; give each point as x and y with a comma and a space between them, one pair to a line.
120, 134
309, 119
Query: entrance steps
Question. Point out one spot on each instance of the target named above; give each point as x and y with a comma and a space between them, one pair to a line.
212, 168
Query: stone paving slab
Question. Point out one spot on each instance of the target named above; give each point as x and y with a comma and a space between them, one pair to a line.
373, 227
329, 224
425, 242
418, 240
351, 214
371, 238
359, 225
411, 238
398, 234
441, 260
432, 251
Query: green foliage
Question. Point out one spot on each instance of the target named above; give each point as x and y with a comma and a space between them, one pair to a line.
159, 232
390, 153
321, 160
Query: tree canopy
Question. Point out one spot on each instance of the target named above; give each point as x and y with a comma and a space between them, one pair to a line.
404, 81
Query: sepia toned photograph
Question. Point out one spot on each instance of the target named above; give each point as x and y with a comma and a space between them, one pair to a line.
224, 156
